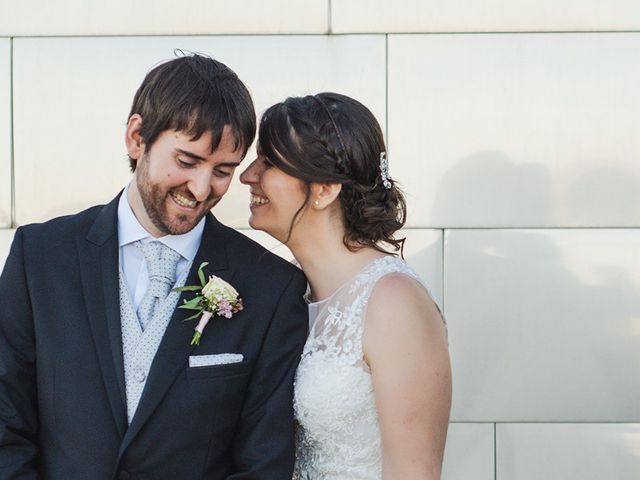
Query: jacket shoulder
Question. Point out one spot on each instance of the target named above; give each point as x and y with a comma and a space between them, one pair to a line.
251, 254
59, 228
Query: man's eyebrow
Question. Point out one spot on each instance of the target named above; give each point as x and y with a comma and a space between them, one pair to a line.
191, 155
199, 158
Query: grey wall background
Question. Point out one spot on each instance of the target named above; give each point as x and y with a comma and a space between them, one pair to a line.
513, 127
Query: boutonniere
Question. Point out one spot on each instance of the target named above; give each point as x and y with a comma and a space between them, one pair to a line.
214, 296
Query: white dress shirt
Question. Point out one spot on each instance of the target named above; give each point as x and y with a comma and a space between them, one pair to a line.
132, 261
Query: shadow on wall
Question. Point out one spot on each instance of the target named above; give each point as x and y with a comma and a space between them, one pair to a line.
533, 341
532, 337
487, 189
604, 196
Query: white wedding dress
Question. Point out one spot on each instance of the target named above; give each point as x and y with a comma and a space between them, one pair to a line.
338, 437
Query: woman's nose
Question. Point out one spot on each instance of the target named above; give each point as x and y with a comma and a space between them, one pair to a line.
250, 174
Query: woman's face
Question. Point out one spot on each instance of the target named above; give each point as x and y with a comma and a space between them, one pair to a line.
275, 197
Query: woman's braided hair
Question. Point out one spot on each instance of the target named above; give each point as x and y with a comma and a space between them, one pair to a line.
332, 138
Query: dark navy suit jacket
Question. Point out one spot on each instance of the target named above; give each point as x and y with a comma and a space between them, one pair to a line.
62, 391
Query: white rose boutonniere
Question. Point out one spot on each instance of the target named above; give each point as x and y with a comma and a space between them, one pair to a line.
214, 296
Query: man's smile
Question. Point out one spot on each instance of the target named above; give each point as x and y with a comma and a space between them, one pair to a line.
183, 201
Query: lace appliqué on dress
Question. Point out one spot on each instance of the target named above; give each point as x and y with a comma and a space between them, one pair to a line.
338, 436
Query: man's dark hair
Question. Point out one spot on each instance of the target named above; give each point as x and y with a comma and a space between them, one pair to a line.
194, 94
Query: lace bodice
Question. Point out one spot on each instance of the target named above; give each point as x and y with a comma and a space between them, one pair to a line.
338, 437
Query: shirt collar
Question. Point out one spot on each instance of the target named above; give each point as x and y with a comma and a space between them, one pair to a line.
130, 230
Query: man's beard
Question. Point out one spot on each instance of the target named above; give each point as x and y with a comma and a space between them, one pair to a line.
154, 200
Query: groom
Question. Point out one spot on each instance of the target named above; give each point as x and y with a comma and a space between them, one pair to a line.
98, 377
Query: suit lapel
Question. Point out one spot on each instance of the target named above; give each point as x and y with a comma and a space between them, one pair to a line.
175, 347
99, 258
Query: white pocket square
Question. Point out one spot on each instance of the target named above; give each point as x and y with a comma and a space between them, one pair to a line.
214, 359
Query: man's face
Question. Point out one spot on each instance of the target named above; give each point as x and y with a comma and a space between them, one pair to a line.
179, 180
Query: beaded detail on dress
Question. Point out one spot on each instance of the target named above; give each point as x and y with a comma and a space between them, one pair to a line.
338, 436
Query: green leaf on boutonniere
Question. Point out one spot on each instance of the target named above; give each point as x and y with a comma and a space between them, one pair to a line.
188, 288
192, 316
193, 304
201, 276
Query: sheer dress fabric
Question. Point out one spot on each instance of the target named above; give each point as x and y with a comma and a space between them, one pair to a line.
338, 435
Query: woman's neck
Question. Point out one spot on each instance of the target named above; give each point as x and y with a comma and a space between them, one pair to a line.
328, 263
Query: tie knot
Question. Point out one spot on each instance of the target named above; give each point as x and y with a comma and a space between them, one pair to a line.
161, 261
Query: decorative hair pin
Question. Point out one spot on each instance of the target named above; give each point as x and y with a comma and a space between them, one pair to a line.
384, 170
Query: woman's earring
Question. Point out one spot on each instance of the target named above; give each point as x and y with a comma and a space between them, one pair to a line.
317, 203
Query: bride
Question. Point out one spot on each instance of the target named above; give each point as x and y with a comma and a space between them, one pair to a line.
373, 388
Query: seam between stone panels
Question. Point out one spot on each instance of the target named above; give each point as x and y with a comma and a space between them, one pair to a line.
440, 227
563, 422
495, 452
318, 33
546, 422
444, 303
373, 32
12, 138
329, 17
386, 90
485, 32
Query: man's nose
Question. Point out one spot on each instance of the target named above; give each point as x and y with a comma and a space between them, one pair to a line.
200, 184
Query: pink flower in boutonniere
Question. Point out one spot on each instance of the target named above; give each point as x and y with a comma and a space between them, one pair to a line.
214, 296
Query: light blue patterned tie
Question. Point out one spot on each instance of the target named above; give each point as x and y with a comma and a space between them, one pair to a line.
161, 264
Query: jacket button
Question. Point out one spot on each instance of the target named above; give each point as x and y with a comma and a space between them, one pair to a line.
124, 475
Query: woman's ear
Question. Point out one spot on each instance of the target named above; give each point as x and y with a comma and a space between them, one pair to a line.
324, 194
132, 137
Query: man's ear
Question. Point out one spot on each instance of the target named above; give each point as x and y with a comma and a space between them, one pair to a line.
132, 137
324, 194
